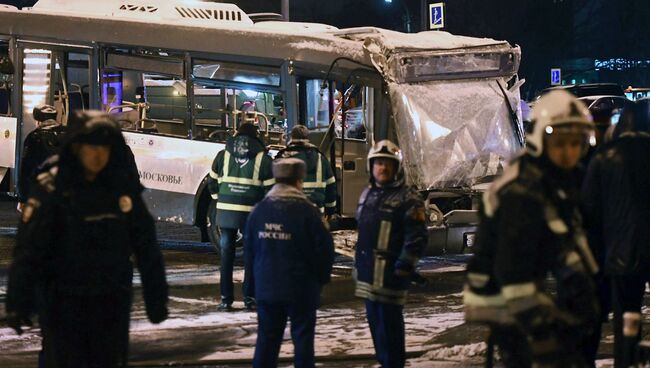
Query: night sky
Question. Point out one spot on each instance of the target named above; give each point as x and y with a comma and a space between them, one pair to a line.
549, 31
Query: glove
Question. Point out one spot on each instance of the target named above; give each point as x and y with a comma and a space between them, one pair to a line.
16, 321
157, 312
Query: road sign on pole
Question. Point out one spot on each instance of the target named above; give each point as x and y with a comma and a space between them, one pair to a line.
556, 76
436, 16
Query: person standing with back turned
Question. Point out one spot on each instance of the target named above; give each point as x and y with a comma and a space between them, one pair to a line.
240, 176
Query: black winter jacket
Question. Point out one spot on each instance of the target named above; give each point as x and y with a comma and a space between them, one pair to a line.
76, 239
617, 204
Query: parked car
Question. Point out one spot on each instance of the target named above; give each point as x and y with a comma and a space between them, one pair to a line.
590, 89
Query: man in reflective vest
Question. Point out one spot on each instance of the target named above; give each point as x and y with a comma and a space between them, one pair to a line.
291, 253
320, 183
392, 237
240, 176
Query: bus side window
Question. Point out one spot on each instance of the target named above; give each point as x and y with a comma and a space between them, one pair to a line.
6, 74
146, 102
316, 102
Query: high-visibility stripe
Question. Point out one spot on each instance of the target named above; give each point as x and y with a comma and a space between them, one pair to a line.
312, 185
514, 291
258, 165
477, 280
215, 196
380, 290
236, 180
331, 180
384, 235
331, 204
214, 175
319, 171
226, 164
380, 267
268, 182
234, 207
473, 299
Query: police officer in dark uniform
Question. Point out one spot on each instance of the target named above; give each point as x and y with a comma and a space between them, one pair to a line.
291, 253
530, 227
41, 143
320, 183
392, 237
617, 212
83, 220
240, 176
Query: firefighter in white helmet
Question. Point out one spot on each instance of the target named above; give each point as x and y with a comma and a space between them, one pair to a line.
392, 236
530, 227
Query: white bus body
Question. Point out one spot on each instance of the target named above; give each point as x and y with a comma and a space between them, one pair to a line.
181, 75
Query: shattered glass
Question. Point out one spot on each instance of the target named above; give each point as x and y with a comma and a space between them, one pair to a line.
458, 132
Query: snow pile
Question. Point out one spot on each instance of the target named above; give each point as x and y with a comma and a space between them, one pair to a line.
457, 352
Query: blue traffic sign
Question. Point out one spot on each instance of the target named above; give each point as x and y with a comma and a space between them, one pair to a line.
556, 76
436, 15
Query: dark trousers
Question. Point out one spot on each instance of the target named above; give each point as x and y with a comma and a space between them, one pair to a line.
228, 245
513, 346
271, 321
86, 332
387, 328
627, 296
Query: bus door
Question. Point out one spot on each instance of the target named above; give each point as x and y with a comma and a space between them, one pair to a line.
8, 121
53, 74
340, 118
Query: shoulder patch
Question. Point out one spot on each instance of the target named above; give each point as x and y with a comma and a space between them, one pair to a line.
46, 179
30, 207
125, 203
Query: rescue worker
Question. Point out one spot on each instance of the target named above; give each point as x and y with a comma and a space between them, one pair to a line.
617, 212
83, 220
530, 227
41, 143
320, 183
392, 237
291, 253
240, 176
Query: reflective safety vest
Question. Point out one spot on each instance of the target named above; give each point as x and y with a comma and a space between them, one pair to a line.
237, 186
320, 183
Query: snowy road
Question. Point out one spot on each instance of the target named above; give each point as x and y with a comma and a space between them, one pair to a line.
197, 335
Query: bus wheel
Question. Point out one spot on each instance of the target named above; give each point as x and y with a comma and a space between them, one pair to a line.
215, 233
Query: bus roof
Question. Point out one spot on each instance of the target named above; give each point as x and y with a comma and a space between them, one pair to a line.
137, 24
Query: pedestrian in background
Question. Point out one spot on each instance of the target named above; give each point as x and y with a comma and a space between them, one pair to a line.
291, 253
530, 228
320, 183
392, 237
81, 224
617, 212
240, 176
40, 143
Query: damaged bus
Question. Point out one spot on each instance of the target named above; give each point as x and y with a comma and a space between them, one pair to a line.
180, 76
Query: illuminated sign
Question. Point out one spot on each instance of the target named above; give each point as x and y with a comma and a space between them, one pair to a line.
556, 76
436, 16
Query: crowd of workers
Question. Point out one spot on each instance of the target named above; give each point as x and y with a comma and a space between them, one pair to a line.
556, 250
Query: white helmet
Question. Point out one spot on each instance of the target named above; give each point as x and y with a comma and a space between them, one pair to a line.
387, 149
560, 112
